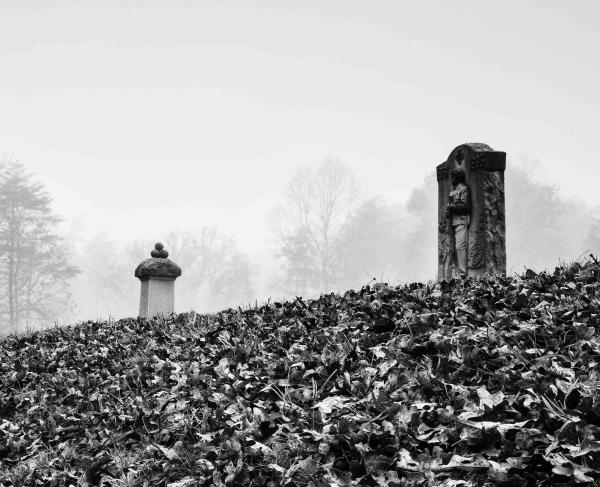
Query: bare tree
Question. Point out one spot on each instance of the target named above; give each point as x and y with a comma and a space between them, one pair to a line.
373, 243
312, 223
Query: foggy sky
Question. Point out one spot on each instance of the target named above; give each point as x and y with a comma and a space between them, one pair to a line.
143, 117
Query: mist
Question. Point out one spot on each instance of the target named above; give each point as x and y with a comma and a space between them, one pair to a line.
213, 127
376, 241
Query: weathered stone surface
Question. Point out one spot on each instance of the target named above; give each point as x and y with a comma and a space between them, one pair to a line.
157, 267
480, 224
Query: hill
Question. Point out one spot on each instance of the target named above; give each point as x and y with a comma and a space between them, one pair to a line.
473, 382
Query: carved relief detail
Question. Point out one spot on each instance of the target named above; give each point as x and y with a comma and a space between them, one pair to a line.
476, 256
443, 243
442, 173
493, 187
477, 161
477, 243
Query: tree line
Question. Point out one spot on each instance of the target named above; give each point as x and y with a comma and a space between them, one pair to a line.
328, 236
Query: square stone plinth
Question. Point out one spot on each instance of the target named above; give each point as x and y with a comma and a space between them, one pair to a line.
157, 297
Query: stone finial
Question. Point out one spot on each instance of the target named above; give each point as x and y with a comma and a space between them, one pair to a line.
159, 251
158, 266
158, 276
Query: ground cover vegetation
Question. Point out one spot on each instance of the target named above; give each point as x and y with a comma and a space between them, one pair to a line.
472, 382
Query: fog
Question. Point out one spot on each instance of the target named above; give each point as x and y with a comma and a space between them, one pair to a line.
198, 124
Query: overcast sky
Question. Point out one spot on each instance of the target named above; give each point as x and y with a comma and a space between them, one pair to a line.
148, 116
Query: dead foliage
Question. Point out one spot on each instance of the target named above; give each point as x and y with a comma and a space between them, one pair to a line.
473, 382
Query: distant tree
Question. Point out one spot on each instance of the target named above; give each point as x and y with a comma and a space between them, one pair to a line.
233, 285
106, 286
200, 255
34, 265
591, 242
372, 246
419, 249
300, 269
542, 227
311, 225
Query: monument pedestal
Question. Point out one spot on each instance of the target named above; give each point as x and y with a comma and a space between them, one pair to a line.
479, 170
157, 276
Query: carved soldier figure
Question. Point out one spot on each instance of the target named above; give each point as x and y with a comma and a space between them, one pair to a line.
458, 215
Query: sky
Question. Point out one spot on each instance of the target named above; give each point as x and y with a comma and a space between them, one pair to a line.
143, 117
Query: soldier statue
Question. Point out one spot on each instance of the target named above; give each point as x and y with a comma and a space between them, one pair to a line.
458, 217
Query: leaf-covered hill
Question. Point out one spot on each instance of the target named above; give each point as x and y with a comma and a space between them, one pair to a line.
474, 382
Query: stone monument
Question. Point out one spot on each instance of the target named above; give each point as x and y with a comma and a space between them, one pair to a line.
158, 274
471, 222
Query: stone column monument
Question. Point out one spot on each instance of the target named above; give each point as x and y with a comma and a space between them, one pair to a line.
471, 225
158, 274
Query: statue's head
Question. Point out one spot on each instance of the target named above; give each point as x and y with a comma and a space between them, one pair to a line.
457, 176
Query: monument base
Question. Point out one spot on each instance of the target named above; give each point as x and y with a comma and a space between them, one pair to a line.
157, 297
